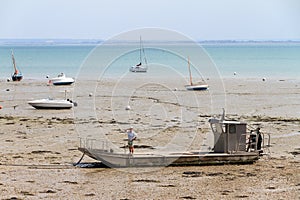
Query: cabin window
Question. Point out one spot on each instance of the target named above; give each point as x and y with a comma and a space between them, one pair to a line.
232, 128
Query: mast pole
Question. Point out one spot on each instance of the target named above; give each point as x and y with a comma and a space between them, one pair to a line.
141, 49
191, 82
13, 59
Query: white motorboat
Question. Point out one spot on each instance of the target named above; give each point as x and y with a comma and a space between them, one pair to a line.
141, 67
195, 86
61, 79
51, 103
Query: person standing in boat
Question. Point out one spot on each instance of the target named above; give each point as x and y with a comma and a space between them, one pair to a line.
131, 136
259, 139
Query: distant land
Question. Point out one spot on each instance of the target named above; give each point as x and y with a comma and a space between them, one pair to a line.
34, 42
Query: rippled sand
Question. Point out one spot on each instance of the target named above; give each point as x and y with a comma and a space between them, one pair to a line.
38, 147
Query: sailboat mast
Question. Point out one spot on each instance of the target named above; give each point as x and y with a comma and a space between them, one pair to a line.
191, 82
140, 49
13, 60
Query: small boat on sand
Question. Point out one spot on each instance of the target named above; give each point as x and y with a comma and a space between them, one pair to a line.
51, 103
195, 86
140, 67
17, 75
61, 79
232, 145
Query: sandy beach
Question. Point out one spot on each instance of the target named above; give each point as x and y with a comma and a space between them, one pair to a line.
39, 147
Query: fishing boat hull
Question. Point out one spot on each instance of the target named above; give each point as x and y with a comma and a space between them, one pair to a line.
51, 104
197, 87
169, 159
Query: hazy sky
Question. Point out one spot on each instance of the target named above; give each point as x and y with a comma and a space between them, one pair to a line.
198, 19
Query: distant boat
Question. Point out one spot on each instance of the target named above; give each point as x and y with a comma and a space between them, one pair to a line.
61, 79
16, 76
51, 103
140, 67
195, 86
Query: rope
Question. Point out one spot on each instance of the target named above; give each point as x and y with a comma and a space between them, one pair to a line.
79, 160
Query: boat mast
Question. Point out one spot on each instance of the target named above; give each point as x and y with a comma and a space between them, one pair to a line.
191, 82
141, 49
144, 54
14, 61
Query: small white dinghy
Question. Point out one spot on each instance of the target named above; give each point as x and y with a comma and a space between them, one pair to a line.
61, 79
52, 103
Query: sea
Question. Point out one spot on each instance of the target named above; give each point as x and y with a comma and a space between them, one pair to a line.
37, 59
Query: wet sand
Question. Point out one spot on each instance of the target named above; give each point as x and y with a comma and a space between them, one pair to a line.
38, 147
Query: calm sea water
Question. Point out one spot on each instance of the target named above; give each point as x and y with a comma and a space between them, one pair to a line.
277, 60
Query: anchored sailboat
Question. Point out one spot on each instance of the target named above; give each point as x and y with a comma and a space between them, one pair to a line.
141, 67
195, 86
17, 76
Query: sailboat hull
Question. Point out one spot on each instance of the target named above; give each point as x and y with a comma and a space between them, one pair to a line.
17, 77
196, 87
138, 69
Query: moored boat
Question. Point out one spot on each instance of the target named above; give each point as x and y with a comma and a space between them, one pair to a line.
51, 103
141, 66
232, 145
17, 75
61, 79
195, 86
198, 86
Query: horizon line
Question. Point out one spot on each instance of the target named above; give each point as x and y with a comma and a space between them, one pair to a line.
51, 41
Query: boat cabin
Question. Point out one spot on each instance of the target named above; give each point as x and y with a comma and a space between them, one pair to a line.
229, 136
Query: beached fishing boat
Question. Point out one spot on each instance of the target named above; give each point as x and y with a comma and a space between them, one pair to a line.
61, 79
17, 75
232, 145
195, 86
141, 66
51, 103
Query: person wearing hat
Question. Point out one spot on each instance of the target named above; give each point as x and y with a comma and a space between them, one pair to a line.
131, 136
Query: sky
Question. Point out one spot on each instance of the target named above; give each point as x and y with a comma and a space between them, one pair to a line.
197, 19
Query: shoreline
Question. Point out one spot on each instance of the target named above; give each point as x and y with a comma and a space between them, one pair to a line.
116, 77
